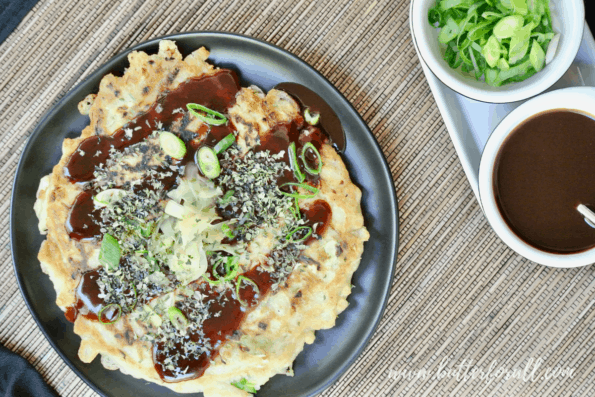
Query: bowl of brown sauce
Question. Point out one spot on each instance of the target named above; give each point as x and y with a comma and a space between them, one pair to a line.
536, 168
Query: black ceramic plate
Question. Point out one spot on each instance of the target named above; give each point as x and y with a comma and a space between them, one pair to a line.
257, 63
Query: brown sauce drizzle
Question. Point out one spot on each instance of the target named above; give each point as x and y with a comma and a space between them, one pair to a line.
216, 92
225, 317
87, 294
282, 137
318, 217
83, 220
329, 120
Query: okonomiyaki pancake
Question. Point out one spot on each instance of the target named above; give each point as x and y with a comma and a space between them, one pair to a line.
198, 232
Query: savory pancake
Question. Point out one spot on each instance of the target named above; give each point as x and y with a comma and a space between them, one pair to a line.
198, 232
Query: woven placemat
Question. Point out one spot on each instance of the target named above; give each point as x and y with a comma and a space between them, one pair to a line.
460, 299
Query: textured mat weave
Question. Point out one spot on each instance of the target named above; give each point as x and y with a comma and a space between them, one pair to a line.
459, 294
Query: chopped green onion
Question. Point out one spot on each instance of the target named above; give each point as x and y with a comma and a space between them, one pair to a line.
449, 31
519, 44
520, 6
298, 230
311, 118
507, 26
172, 145
294, 212
239, 284
537, 56
296, 209
245, 385
502, 64
207, 161
207, 115
225, 143
108, 197
109, 253
115, 307
227, 230
494, 39
313, 171
313, 191
212, 282
299, 175
177, 318
491, 51
227, 197
231, 268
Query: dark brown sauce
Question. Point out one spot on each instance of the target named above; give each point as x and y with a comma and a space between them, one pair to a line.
225, 317
318, 216
216, 92
72, 312
280, 140
87, 294
83, 220
328, 118
216, 328
543, 171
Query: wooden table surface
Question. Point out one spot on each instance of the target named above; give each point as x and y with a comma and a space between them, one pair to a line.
461, 301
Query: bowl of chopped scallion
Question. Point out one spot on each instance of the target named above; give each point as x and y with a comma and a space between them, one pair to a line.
498, 50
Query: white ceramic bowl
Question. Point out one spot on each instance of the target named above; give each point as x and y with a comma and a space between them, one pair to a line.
568, 19
581, 99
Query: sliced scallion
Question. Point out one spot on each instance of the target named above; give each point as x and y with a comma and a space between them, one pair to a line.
225, 143
494, 38
311, 118
227, 230
177, 318
231, 268
207, 161
109, 253
311, 189
507, 26
172, 145
227, 197
305, 230
293, 162
537, 56
207, 115
239, 284
295, 209
113, 307
245, 385
313, 171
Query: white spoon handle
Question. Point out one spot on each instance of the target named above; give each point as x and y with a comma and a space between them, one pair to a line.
587, 213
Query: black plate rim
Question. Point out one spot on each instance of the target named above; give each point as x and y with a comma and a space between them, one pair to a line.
359, 348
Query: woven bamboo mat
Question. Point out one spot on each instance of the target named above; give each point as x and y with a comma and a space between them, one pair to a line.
459, 294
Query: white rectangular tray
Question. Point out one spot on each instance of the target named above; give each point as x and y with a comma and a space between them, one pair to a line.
470, 122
